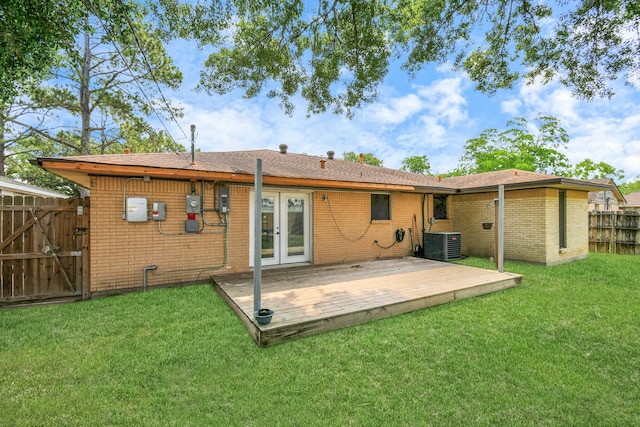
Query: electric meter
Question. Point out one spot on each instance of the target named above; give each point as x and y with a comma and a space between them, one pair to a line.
193, 203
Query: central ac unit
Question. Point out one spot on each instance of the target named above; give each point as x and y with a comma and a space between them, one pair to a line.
443, 246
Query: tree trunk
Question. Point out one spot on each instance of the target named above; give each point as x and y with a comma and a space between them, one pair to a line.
3, 145
84, 98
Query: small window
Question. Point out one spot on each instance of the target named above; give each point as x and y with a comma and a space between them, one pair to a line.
380, 208
562, 218
440, 206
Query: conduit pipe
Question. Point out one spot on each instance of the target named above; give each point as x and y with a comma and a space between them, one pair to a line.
144, 275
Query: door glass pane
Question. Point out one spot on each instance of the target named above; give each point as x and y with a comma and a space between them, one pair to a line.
295, 226
268, 227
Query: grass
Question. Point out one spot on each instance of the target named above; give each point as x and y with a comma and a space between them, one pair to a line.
560, 349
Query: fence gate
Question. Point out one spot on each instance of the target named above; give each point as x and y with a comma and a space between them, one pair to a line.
44, 248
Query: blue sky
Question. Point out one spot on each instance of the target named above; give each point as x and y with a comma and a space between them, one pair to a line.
433, 114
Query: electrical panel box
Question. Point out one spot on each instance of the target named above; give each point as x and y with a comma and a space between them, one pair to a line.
191, 225
158, 211
193, 203
137, 209
223, 193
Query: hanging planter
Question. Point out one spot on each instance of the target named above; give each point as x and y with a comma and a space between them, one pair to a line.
487, 224
264, 315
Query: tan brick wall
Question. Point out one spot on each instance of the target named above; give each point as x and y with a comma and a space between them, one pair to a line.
577, 224
121, 249
343, 231
238, 259
531, 225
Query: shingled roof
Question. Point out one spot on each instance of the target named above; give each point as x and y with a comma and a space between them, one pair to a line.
633, 199
280, 168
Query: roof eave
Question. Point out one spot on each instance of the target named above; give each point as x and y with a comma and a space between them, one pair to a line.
561, 183
81, 172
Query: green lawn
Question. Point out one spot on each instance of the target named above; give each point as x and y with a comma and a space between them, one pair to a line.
563, 348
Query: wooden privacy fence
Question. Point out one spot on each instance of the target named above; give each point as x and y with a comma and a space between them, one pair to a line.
44, 248
614, 232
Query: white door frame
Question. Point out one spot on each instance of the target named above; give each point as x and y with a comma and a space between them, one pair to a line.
280, 228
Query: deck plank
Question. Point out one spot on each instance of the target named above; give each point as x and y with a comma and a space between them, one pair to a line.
314, 299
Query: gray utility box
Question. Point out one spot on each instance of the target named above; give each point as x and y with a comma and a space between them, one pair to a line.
136, 209
191, 225
443, 246
158, 211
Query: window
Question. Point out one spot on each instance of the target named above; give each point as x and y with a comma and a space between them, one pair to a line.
440, 206
562, 218
380, 207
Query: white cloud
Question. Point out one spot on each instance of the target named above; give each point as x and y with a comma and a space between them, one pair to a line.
511, 106
444, 99
550, 99
396, 110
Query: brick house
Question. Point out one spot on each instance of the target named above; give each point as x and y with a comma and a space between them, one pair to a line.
606, 200
162, 219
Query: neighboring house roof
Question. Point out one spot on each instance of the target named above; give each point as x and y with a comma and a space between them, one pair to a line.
633, 199
12, 187
599, 196
290, 169
514, 178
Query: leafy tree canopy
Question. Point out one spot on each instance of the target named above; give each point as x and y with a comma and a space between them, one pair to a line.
367, 158
416, 164
335, 53
588, 169
517, 148
630, 187
535, 147
32, 32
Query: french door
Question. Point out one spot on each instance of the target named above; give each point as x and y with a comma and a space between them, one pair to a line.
285, 219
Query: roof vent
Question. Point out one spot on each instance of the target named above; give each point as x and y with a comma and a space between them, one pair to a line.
283, 148
330, 154
322, 163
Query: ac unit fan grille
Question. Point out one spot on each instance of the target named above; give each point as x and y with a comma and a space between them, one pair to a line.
442, 246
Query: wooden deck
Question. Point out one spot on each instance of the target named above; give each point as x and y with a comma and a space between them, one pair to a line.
312, 299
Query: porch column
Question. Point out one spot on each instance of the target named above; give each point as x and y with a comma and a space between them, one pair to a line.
257, 244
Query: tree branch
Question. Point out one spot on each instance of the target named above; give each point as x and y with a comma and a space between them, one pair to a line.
46, 135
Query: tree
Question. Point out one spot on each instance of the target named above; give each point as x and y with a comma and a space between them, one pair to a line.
588, 169
367, 158
21, 169
517, 148
335, 53
416, 164
630, 187
33, 32
99, 91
